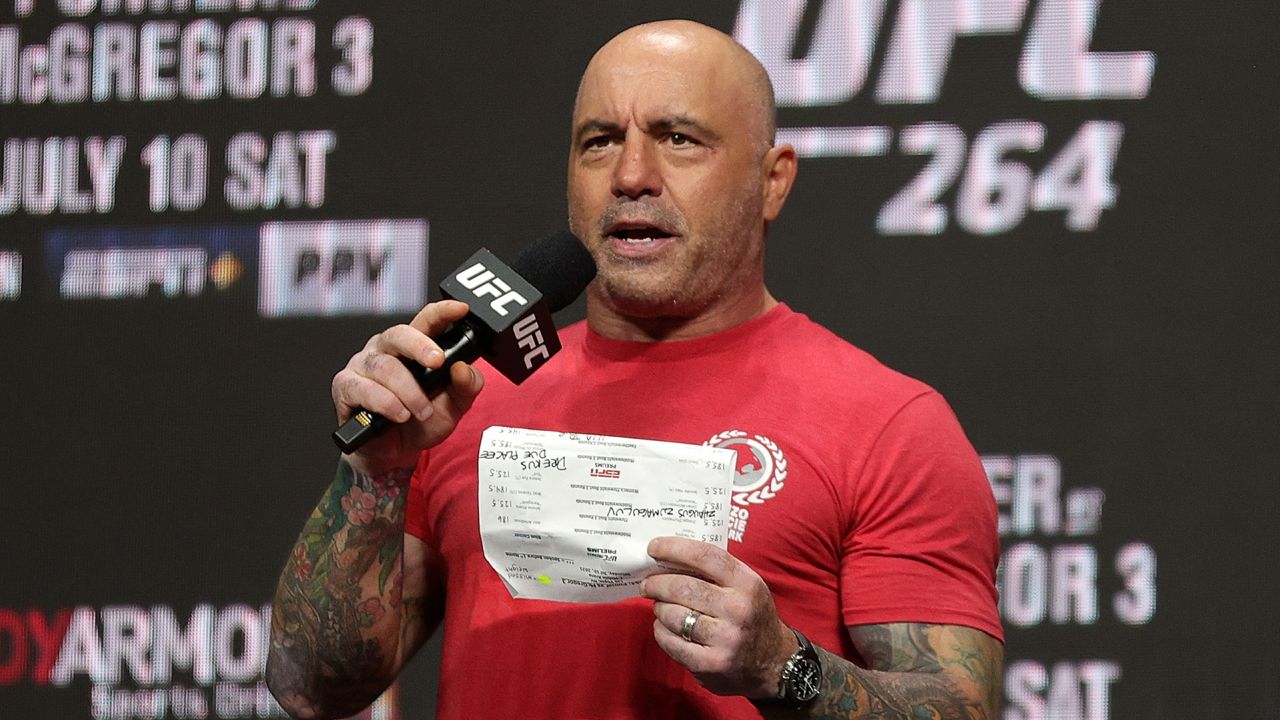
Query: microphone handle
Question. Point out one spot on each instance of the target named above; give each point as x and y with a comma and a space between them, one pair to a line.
459, 343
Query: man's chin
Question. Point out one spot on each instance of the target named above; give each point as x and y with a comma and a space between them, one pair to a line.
630, 297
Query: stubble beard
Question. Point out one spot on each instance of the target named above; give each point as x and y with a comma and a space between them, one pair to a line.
696, 271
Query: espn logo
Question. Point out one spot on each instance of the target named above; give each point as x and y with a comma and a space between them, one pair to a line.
610, 473
158, 263
133, 272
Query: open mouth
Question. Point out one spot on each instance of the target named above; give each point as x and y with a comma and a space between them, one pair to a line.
638, 233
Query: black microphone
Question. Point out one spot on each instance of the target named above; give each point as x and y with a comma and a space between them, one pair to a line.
508, 321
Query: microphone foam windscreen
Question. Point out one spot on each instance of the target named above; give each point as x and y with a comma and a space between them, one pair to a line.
559, 266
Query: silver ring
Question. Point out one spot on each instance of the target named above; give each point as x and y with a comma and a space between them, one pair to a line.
686, 627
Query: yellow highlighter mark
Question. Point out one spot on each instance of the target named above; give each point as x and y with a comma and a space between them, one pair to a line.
543, 579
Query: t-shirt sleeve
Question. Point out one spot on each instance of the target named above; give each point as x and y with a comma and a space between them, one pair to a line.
415, 511
921, 542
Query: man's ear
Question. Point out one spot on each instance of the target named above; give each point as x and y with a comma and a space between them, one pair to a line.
779, 170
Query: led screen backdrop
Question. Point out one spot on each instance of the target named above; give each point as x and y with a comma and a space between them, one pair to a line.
1061, 213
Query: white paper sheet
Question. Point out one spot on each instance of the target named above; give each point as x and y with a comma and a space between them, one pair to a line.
568, 517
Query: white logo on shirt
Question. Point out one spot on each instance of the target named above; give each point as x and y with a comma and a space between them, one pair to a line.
761, 469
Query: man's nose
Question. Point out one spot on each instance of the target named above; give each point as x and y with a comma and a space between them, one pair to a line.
637, 172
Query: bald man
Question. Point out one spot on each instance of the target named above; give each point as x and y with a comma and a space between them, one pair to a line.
860, 579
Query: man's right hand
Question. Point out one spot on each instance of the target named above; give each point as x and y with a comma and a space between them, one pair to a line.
375, 379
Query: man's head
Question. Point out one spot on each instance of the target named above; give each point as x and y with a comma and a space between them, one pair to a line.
673, 176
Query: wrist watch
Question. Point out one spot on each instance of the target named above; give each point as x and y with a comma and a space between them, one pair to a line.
802, 675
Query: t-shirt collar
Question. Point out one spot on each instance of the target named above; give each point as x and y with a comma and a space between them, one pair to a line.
730, 340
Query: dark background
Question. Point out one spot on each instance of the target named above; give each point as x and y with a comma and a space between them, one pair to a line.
166, 450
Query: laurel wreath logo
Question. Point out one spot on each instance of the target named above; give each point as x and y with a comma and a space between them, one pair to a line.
759, 495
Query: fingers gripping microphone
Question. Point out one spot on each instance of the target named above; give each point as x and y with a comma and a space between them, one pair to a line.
508, 322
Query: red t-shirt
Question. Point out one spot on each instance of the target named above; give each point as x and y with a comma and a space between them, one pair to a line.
858, 499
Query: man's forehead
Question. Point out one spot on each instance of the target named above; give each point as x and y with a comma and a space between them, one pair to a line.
622, 100
673, 69
654, 84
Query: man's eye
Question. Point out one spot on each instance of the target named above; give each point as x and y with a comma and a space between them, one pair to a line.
597, 142
679, 139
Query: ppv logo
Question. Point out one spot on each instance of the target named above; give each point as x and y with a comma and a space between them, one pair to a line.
529, 336
342, 267
342, 264
482, 282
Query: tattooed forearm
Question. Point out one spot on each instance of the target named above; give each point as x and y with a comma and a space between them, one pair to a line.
853, 692
914, 671
338, 613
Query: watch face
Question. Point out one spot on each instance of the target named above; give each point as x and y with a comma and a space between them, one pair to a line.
805, 681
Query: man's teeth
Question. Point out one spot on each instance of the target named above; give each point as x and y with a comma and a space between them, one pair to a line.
637, 241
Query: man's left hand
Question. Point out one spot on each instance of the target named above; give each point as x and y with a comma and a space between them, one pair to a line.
738, 644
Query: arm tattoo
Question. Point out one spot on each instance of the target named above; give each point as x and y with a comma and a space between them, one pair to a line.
914, 671
338, 615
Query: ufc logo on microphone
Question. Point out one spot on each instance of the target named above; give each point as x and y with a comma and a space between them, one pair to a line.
530, 337
482, 282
